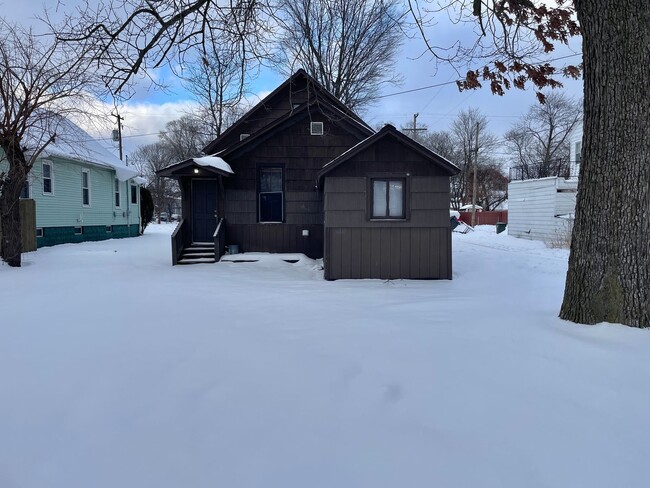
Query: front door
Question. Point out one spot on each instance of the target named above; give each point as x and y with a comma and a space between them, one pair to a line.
204, 210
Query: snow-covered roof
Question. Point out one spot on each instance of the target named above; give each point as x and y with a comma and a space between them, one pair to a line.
214, 162
72, 142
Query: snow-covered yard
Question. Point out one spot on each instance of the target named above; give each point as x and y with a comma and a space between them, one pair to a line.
119, 370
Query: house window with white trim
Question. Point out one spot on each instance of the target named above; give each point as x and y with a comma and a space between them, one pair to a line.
85, 187
118, 195
47, 177
134, 194
388, 198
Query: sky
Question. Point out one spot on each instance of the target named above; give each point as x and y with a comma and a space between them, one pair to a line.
150, 109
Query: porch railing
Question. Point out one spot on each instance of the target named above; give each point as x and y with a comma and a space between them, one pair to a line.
220, 239
179, 241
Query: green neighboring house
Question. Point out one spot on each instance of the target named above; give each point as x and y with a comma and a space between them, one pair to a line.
82, 191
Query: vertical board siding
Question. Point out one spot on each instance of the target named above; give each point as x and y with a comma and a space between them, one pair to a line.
400, 253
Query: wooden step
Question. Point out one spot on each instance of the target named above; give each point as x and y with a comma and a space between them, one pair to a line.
185, 260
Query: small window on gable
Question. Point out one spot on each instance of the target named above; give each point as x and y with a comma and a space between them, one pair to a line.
388, 198
243, 136
47, 177
316, 128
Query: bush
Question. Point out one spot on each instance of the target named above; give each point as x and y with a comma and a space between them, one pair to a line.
146, 208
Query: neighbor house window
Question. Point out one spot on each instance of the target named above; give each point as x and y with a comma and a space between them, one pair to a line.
388, 198
47, 177
26, 192
85, 187
118, 196
39, 232
316, 128
134, 194
78, 231
578, 150
109, 228
271, 196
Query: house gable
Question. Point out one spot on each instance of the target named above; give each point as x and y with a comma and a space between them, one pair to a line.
298, 90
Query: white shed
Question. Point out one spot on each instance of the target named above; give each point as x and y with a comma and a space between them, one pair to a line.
541, 209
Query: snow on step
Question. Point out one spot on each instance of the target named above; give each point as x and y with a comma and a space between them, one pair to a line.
196, 260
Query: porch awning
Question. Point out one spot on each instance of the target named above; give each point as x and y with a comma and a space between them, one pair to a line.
206, 165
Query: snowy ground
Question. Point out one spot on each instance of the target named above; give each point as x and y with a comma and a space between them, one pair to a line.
119, 370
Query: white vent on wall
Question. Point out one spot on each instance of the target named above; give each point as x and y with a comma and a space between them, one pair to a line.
316, 128
243, 136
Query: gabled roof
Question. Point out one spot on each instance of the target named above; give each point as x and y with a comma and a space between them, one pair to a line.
298, 113
212, 164
266, 101
390, 132
74, 143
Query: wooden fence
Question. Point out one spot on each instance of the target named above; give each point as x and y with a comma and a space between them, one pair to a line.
485, 218
27, 224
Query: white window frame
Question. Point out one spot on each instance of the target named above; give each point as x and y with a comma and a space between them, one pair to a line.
85, 171
317, 128
136, 195
81, 230
51, 178
117, 193
39, 231
109, 228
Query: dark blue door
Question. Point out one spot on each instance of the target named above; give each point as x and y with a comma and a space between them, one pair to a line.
204, 210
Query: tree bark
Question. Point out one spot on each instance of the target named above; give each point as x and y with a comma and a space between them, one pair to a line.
609, 270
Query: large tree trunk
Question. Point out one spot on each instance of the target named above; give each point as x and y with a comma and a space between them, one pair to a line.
609, 266
11, 246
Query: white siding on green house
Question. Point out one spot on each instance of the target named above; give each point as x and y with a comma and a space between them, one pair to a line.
540, 209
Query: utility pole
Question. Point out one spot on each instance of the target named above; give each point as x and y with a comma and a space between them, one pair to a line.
415, 128
119, 131
474, 185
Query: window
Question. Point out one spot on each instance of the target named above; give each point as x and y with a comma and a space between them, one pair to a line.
118, 196
578, 150
47, 177
388, 198
109, 228
134, 194
316, 128
271, 196
85, 187
26, 192
78, 231
39, 231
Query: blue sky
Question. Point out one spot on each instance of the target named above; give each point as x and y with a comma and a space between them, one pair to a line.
149, 109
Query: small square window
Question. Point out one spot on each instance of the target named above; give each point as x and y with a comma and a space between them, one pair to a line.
78, 231
388, 198
109, 228
316, 128
39, 232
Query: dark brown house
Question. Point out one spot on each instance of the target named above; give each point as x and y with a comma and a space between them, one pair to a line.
301, 173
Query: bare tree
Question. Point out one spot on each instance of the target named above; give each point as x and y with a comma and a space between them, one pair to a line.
539, 142
134, 37
349, 46
182, 139
42, 81
217, 81
463, 131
